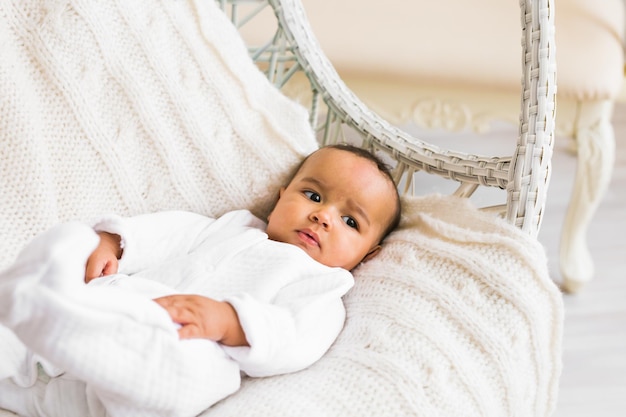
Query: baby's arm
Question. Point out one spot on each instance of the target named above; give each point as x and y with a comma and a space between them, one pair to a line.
206, 318
153, 238
104, 259
293, 326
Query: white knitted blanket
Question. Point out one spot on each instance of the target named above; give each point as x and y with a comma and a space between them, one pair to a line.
136, 106
455, 317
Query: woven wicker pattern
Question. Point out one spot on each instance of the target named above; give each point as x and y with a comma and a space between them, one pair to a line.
524, 174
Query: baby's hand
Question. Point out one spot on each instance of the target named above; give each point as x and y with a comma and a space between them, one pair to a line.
104, 259
204, 318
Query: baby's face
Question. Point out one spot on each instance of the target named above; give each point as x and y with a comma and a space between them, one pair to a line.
335, 208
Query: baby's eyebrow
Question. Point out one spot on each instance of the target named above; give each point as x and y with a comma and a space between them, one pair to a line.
314, 181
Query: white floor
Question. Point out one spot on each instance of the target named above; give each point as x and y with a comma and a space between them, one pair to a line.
594, 375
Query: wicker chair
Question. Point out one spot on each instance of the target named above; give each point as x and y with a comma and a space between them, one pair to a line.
292, 48
407, 80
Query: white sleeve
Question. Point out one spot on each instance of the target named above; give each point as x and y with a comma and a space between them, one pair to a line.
296, 329
148, 239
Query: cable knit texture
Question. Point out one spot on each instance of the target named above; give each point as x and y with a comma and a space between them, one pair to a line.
455, 317
134, 106
137, 106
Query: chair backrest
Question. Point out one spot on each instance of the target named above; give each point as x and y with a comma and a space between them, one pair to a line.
292, 49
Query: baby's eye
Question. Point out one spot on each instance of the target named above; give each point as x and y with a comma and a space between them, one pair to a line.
313, 196
350, 222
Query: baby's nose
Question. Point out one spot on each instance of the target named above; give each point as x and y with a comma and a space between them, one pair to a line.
322, 217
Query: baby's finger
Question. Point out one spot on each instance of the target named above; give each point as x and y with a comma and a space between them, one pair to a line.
189, 331
93, 270
177, 311
110, 267
165, 301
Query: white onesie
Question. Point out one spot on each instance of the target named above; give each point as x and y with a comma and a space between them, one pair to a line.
120, 351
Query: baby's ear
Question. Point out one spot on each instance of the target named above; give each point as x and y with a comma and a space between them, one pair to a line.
372, 253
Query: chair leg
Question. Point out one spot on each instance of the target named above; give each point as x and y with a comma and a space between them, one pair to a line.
595, 145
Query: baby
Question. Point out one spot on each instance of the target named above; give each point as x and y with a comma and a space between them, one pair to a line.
233, 295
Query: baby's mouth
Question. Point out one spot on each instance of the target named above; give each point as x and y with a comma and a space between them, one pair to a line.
309, 237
